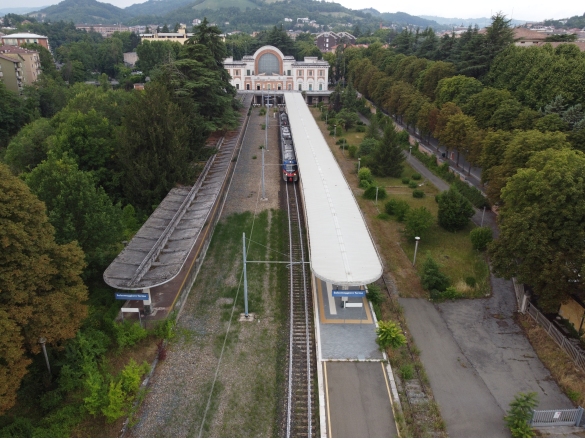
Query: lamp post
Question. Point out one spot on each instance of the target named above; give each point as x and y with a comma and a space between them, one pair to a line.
409, 151
359, 161
417, 239
483, 213
42, 341
334, 132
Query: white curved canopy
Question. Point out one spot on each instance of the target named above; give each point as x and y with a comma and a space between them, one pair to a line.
341, 248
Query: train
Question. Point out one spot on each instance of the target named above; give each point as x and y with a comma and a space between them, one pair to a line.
289, 160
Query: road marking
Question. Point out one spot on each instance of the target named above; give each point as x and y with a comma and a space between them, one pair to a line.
327, 396
367, 320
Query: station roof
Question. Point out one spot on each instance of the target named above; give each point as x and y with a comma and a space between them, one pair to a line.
341, 248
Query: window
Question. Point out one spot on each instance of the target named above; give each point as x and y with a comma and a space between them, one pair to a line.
237, 86
310, 73
269, 87
321, 72
320, 86
299, 73
247, 86
310, 87
290, 86
301, 87
279, 87
268, 64
258, 87
247, 72
288, 73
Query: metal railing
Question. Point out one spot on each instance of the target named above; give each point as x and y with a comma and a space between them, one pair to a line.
553, 418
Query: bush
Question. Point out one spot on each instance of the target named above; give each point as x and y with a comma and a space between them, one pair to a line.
341, 141
365, 184
370, 193
405, 180
480, 237
432, 278
416, 176
262, 111
412, 185
165, 329
360, 129
449, 294
407, 372
383, 216
263, 126
365, 174
418, 221
399, 208
520, 414
128, 333
352, 151
375, 294
389, 335
331, 132
470, 281
454, 210
417, 193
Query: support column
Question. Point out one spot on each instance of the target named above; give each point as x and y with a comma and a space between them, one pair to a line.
147, 303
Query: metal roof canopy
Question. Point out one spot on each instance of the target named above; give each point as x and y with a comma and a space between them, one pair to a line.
341, 247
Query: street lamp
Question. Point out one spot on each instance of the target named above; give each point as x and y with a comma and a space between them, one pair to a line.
359, 161
410, 151
334, 131
417, 239
42, 341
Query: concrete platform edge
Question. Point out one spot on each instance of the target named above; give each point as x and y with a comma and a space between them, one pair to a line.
322, 408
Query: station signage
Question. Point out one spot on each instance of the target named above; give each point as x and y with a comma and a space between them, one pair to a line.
348, 293
131, 296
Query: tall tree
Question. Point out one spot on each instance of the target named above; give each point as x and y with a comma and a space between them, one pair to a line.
388, 158
41, 291
454, 210
77, 209
542, 226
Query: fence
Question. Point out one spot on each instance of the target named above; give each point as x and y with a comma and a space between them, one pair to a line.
524, 306
553, 418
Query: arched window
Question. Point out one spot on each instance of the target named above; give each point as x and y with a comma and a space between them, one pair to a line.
300, 86
247, 86
258, 87
268, 64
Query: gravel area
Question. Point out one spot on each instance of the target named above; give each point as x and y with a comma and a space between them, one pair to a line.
244, 397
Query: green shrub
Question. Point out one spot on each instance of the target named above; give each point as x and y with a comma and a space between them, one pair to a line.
116, 402
432, 278
480, 237
407, 371
470, 281
263, 126
418, 221
520, 414
367, 146
331, 132
383, 216
360, 129
370, 193
405, 180
417, 193
96, 387
128, 333
131, 376
389, 335
449, 294
375, 294
365, 184
399, 208
416, 176
341, 141
262, 111
454, 210
412, 185
365, 174
352, 150
165, 329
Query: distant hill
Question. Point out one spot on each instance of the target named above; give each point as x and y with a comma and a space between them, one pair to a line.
465, 22
568, 23
400, 18
23, 10
85, 11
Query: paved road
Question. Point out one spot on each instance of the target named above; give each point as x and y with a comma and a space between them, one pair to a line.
358, 406
467, 406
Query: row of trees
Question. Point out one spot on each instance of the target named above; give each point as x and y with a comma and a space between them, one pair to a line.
522, 122
72, 187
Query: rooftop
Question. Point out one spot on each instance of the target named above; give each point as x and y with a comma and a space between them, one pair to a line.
341, 248
24, 35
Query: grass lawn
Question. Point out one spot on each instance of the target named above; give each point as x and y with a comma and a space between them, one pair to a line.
452, 251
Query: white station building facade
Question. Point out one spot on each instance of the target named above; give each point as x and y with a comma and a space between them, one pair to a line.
269, 70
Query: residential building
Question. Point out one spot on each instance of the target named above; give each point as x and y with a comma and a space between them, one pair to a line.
270, 69
12, 72
107, 31
176, 37
30, 59
19, 39
326, 41
525, 37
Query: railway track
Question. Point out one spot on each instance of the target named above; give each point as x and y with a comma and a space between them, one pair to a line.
301, 413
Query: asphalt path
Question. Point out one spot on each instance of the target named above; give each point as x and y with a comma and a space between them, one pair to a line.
357, 405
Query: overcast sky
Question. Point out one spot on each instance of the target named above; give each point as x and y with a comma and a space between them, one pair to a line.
531, 10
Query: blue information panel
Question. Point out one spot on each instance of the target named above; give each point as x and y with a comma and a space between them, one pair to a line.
131, 296
348, 293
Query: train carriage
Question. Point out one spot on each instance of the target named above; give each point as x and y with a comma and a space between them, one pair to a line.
287, 149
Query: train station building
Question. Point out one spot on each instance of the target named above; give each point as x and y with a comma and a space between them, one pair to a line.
268, 70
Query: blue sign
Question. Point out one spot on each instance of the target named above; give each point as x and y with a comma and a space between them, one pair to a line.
348, 293
131, 296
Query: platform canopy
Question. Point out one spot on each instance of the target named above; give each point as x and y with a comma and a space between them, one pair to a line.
341, 247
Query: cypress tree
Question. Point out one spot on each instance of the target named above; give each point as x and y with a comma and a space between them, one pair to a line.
388, 157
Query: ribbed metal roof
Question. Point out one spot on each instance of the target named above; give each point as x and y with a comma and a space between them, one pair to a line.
341, 248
